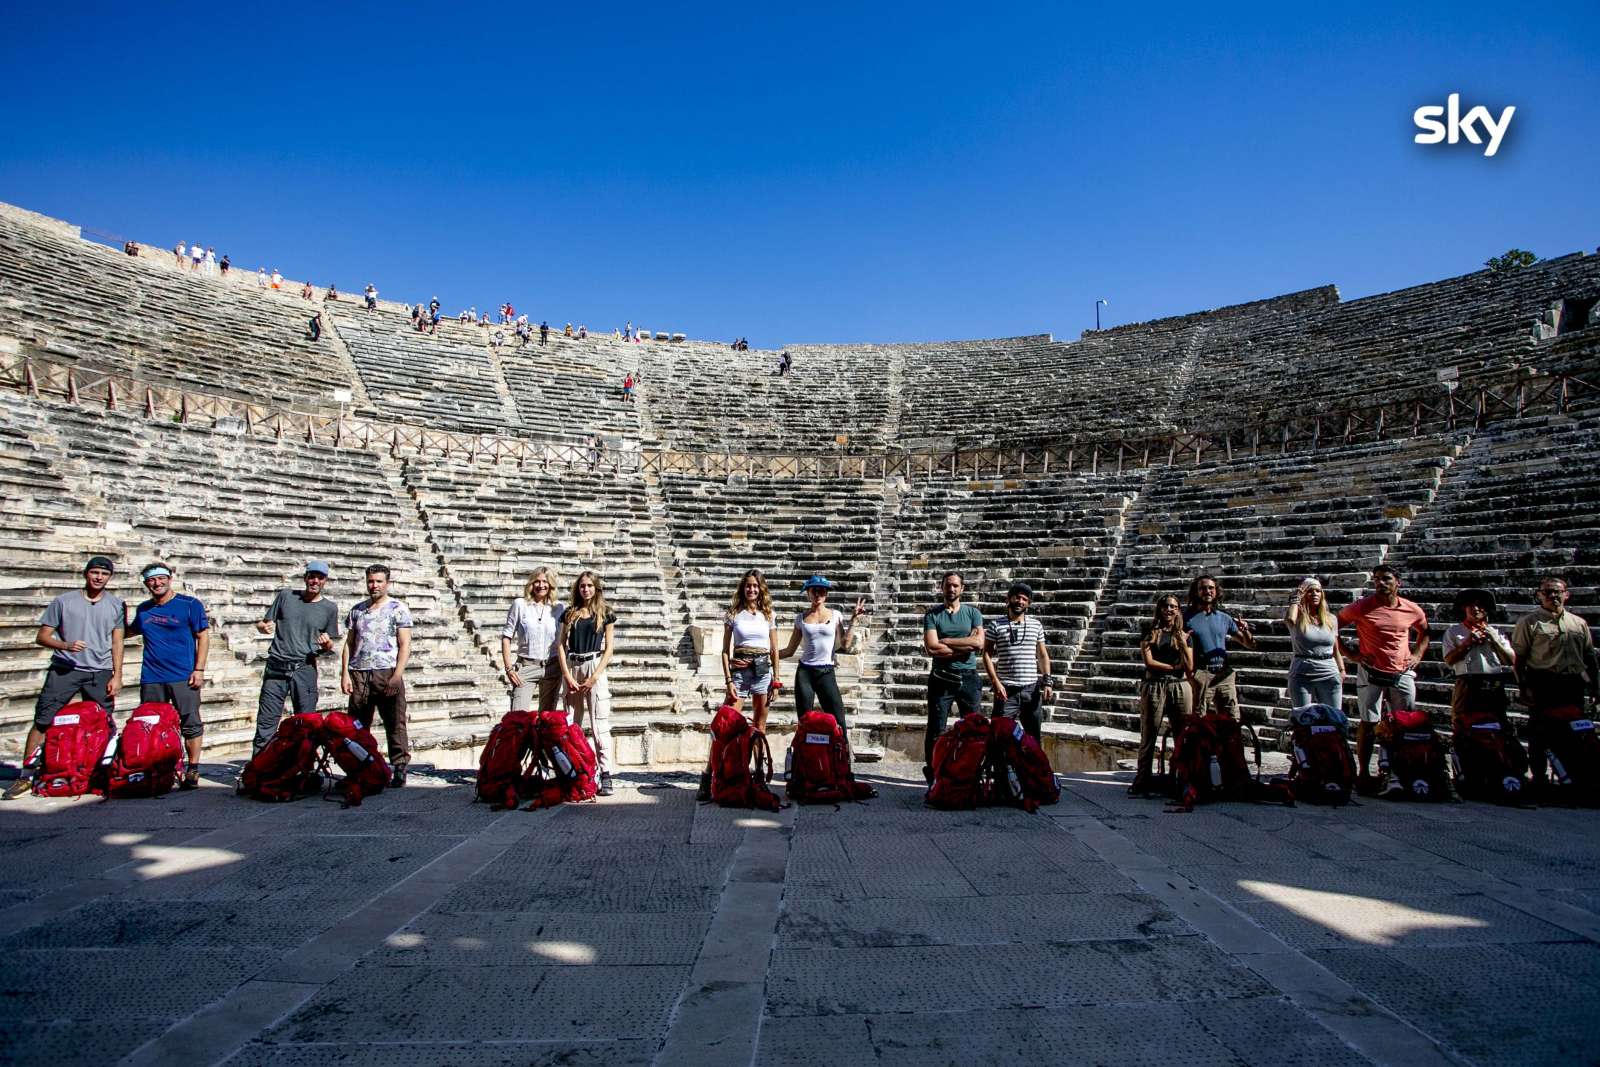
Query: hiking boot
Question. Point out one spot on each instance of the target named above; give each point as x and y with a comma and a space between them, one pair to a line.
399, 779
20, 787
605, 789
191, 779
703, 794
1140, 786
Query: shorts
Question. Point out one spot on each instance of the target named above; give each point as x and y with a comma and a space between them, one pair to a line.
180, 696
754, 680
63, 682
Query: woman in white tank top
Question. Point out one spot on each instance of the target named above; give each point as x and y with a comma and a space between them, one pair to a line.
750, 646
817, 633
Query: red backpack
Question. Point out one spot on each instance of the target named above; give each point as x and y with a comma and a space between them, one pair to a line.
76, 742
563, 771
1022, 772
1572, 749
504, 761
741, 763
818, 766
960, 765
1487, 760
351, 745
286, 769
1208, 763
1321, 769
1411, 754
149, 759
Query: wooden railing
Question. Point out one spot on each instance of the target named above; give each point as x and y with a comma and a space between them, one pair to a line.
1471, 407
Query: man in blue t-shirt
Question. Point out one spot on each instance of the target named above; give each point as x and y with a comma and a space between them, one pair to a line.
177, 640
1213, 681
952, 634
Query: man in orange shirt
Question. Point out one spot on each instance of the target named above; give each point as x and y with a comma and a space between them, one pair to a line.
1384, 622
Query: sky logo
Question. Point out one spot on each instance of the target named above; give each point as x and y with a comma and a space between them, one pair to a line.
1456, 125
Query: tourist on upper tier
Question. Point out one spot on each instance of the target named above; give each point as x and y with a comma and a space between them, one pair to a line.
433, 320
818, 634
277, 279
83, 630
952, 634
305, 291
371, 295
211, 260
1213, 683
177, 642
1554, 660
785, 361
1316, 673
544, 333
531, 625
1163, 694
314, 330
197, 256
1016, 660
303, 625
182, 259
433, 305
372, 665
627, 386
627, 331
583, 333
499, 338
523, 332
568, 331
130, 247
1481, 657
261, 277
227, 265
584, 644
467, 315
1387, 671
483, 320
331, 294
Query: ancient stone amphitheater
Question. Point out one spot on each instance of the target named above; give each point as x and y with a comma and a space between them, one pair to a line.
150, 413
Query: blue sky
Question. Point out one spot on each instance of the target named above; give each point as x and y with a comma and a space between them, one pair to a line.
833, 174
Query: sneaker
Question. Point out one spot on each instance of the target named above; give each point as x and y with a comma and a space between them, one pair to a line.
605, 789
1392, 786
191, 779
399, 779
20, 787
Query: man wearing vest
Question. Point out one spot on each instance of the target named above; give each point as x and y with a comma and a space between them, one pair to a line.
952, 634
1016, 660
1213, 681
1555, 661
83, 631
1384, 622
177, 640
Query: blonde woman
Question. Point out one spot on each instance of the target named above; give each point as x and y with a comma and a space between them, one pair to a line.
530, 631
1316, 673
1168, 662
750, 646
583, 646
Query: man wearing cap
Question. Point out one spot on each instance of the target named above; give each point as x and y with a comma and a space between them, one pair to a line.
303, 625
952, 634
177, 640
1016, 660
83, 630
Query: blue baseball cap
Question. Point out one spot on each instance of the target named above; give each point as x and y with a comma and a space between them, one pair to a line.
317, 566
816, 581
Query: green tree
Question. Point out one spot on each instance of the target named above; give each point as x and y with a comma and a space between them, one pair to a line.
1514, 259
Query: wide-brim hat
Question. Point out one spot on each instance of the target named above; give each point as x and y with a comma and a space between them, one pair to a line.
1474, 596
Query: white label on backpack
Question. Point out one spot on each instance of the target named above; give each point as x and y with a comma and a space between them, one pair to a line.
153, 720
68, 720
1582, 724
1016, 732
818, 739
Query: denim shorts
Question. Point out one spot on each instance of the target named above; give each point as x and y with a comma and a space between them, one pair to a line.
754, 680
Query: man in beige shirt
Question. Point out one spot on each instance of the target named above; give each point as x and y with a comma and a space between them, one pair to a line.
1554, 659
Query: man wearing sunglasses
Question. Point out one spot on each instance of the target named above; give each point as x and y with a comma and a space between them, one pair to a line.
1554, 660
1016, 660
303, 625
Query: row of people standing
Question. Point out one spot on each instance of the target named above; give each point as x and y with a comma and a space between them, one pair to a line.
1184, 650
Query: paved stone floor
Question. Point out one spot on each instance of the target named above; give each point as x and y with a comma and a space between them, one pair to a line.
422, 929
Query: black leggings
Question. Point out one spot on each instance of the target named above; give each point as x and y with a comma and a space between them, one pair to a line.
817, 685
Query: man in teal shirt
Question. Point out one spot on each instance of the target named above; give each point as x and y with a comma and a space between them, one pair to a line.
953, 635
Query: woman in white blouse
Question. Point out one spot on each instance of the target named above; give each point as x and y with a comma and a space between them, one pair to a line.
750, 646
818, 633
532, 624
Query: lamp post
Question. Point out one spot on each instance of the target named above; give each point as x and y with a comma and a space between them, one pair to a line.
1097, 304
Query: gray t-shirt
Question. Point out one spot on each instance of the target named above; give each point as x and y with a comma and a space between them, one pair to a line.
298, 624
74, 618
1313, 651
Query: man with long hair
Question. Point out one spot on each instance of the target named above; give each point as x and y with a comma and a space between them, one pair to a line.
1213, 682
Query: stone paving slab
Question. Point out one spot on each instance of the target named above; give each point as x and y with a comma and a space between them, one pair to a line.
423, 929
